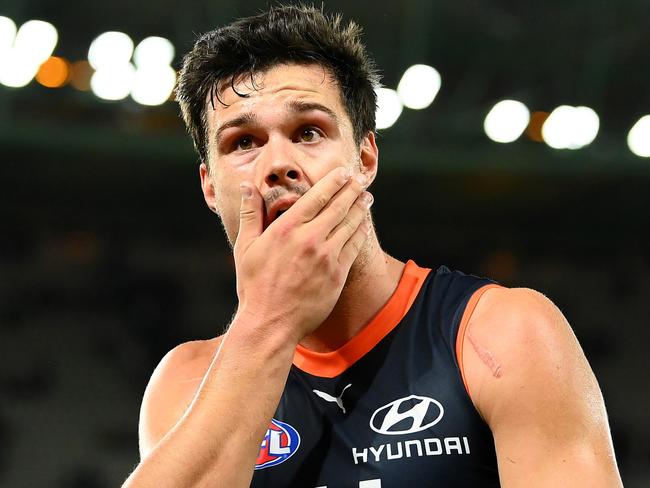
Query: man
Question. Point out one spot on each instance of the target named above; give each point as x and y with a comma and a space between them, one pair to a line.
342, 365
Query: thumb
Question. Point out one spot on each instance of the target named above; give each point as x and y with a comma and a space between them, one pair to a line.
251, 219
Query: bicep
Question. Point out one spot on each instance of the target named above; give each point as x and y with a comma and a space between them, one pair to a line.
169, 393
531, 382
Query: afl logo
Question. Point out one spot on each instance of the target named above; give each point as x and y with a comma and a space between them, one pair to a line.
407, 415
279, 444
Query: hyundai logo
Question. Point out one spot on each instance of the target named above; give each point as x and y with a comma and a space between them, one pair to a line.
407, 415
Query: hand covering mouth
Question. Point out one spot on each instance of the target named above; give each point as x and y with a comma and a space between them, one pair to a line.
279, 199
278, 207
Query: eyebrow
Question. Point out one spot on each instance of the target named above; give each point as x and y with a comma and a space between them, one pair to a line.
249, 119
298, 106
244, 120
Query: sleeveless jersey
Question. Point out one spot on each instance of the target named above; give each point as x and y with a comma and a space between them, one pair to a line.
390, 407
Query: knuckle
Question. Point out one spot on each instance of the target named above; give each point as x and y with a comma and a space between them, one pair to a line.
325, 261
338, 275
247, 213
339, 210
321, 200
284, 229
310, 245
349, 224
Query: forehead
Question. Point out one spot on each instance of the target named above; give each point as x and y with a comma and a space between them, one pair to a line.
273, 88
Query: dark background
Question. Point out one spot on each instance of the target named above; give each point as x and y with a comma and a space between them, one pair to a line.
109, 256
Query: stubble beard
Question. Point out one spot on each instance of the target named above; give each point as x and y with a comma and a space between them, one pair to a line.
362, 262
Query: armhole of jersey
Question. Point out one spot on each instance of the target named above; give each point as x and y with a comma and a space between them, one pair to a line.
464, 321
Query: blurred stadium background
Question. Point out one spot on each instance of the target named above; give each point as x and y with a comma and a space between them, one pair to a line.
109, 257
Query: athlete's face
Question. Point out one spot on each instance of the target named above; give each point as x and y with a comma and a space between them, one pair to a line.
290, 131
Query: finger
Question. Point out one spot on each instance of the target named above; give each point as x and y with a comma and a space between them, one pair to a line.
351, 222
317, 198
336, 211
251, 217
351, 249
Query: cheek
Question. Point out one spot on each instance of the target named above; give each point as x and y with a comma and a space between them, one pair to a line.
226, 186
229, 215
228, 203
321, 162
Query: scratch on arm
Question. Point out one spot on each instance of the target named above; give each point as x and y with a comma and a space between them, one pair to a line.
486, 357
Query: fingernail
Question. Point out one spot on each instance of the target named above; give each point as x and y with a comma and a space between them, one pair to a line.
346, 173
246, 191
368, 199
361, 179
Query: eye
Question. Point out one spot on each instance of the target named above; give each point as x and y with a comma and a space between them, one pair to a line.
309, 134
243, 143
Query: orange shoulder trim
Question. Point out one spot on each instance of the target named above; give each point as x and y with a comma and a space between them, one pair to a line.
464, 322
331, 364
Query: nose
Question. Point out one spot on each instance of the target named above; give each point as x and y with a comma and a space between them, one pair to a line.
281, 168
283, 174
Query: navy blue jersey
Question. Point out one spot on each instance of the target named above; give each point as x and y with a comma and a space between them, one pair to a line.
389, 408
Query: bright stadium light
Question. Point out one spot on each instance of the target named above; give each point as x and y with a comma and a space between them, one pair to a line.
419, 86
110, 49
16, 70
34, 42
153, 51
7, 33
587, 124
506, 121
638, 139
556, 131
389, 107
570, 127
113, 83
153, 85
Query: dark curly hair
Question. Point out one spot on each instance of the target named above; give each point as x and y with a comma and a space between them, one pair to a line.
284, 34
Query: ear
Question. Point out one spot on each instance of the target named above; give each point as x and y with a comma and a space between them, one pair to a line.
369, 156
208, 188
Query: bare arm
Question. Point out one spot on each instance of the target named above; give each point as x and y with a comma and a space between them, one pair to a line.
531, 382
171, 389
289, 278
216, 440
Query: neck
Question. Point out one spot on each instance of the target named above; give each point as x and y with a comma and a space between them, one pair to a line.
372, 280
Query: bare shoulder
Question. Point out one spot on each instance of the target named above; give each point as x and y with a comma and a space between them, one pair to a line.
530, 380
518, 342
171, 389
